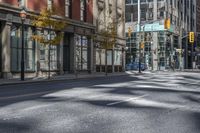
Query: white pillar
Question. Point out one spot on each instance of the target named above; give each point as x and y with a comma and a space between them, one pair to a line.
155, 38
6, 51
92, 52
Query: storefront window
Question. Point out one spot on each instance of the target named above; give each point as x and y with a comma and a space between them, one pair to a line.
81, 52
45, 49
44, 54
100, 56
117, 57
29, 49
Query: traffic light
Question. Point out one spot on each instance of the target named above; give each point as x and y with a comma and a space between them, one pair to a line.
129, 31
142, 45
167, 24
191, 37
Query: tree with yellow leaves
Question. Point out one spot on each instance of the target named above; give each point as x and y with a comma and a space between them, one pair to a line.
107, 39
47, 20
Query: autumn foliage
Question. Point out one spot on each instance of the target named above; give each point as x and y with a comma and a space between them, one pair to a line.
46, 20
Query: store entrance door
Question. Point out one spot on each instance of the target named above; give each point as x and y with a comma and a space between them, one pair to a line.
66, 53
1, 27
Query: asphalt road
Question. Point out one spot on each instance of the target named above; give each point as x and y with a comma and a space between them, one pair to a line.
147, 103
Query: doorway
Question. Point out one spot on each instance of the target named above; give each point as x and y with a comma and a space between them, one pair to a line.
1, 30
66, 53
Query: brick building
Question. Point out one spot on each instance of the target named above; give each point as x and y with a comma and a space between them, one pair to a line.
76, 44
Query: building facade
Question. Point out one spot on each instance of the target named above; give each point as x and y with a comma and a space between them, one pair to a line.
188, 24
161, 44
105, 13
197, 48
75, 51
198, 15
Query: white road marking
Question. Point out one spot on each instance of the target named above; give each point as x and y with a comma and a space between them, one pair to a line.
25, 95
96, 96
130, 99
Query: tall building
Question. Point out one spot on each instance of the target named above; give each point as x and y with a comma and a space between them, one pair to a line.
197, 49
107, 12
198, 15
76, 43
188, 19
161, 45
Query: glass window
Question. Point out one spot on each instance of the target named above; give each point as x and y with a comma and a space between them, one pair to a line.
128, 1
117, 57
44, 57
81, 52
46, 50
21, 3
68, 8
29, 49
49, 3
83, 10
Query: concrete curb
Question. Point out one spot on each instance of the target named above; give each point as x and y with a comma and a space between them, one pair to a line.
17, 82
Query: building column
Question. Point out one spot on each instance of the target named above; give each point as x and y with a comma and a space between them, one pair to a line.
37, 56
60, 57
123, 55
186, 54
155, 53
113, 57
73, 66
172, 51
91, 55
155, 37
94, 55
6, 51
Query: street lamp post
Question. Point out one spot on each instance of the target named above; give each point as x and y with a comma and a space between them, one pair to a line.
23, 17
139, 25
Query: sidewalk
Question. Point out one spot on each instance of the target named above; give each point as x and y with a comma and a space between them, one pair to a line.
191, 70
15, 81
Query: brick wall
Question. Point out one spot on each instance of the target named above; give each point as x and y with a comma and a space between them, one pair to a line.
59, 6
76, 9
11, 2
36, 5
90, 11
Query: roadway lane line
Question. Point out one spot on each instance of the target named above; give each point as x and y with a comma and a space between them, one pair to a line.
25, 95
127, 100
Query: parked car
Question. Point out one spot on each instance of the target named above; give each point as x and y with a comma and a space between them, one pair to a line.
135, 66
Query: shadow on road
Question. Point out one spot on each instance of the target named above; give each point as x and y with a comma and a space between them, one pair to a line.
22, 93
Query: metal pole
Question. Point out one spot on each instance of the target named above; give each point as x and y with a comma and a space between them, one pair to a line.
139, 41
192, 46
186, 54
22, 52
106, 63
49, 63
49, 57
